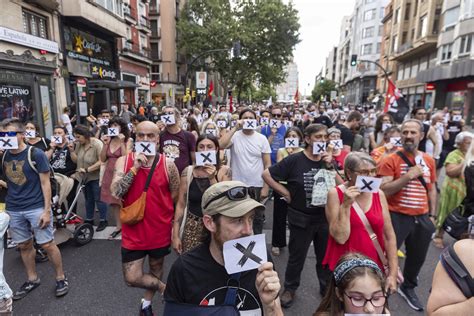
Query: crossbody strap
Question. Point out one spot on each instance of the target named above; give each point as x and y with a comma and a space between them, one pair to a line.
410, 164
152, 170
231, 293
457, 271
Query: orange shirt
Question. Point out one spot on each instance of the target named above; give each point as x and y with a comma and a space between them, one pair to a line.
412, 199
377, 153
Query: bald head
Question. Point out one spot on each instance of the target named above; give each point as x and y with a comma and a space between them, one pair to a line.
147, 132
147, 127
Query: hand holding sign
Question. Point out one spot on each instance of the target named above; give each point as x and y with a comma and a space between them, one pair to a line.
103, 122
168, 119
319, 148
146, 148
368, 184
292, 142
245, 253
8, 142
421, 162
386, 126
205, 158
57, 139
250, 124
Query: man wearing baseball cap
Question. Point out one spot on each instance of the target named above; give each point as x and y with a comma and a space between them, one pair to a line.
199, 277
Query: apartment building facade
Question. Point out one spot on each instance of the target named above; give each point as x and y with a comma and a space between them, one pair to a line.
452, 75
287, 90
30, 62
330, 66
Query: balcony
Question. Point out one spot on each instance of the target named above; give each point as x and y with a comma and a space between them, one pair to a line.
154, 8
144, 24
421, 46
88, 12
156, 55
156, 33
135, 52
49, 5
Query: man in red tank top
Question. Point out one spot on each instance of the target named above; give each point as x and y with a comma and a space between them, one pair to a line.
152, 235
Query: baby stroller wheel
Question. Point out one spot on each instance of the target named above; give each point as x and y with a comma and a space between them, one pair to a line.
83, 234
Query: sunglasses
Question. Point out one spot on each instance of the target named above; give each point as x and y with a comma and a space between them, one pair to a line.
168, 113
276, 115
9, 134
234, 194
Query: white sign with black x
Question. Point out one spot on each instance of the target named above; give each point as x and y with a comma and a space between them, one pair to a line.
211, 131
288, 124
337, 143
319, 148
57, 139
298, 116
368, 184
250, 124
457, 118
30, 134
146, 148
8, 142
264, 121
206, 158
386, 126
168, 119
292, 142
245, 253
275, 124
396, 141
221, 124
103, 122
420, 161
113, 131
70, 138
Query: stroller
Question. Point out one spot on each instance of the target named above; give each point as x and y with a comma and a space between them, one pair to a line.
68, 224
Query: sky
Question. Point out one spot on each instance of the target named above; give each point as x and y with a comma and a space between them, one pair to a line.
320, 24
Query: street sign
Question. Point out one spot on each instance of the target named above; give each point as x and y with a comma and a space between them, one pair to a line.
201, 80
201, 91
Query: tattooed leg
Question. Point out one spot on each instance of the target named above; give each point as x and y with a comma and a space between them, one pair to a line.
134, 276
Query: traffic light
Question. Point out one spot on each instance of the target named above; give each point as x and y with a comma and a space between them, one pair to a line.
187, 91
321, 80
353, 60
194, 94
236, 49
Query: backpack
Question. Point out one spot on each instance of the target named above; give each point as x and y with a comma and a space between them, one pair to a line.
30, 158
457, 271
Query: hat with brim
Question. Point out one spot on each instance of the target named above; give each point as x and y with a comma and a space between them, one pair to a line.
226, 206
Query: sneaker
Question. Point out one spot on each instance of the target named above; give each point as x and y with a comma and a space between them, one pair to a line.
410, 296
287, 299
62, 287
102, 226
275, 251
26, 288
147, 311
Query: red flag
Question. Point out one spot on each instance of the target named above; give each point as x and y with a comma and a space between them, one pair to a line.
211, 89
395, 103
230, 101
297, 96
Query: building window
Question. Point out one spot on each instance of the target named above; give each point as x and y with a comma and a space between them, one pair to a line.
407, 11
369, 15
382, 12
404, 37
446, 51
114, 6
368, 32
467, 9
466, 43
380, 30
396, 20
366, 49
394, 44
451, 16
423, 26
35, 24
378, 48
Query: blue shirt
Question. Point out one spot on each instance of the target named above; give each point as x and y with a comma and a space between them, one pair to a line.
278, 140
24, 185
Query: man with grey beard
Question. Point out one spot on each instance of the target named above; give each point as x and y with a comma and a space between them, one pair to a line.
408, 182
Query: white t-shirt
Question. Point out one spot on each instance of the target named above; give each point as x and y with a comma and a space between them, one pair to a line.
67, 122
247, 161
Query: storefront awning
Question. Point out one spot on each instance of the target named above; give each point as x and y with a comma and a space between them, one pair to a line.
114, 85
460, 69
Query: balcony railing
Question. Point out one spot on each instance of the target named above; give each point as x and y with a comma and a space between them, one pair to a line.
143, 21
156, 33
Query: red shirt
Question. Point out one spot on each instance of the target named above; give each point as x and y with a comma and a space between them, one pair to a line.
340, 159
359, 240
154, 231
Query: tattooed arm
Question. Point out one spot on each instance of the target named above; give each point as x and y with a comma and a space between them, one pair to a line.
121, 181
173, 177
225, 174
179, 211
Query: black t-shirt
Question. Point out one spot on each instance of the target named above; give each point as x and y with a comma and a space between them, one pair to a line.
197, 279
61, 161
454, 128
154, 118
323, 119
346, 135
43, 144
422, 145
299, 171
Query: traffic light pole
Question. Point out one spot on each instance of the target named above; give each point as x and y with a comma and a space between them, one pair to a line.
380, 66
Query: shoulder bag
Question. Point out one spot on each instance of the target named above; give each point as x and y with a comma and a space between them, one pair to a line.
189, 178
456, 223
134, 213
410, 164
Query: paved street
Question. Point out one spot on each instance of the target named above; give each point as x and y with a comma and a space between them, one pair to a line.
97, 286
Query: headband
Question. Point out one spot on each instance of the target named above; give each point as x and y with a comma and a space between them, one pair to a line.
343, 268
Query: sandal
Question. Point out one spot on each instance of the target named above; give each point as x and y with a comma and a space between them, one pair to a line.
438, 242
114, 234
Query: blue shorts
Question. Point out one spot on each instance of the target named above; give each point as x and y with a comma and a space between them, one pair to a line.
24, 224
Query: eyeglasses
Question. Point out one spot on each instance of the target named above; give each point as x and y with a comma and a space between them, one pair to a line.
168, 113
234, 194
360, 301
366, 172
9, 134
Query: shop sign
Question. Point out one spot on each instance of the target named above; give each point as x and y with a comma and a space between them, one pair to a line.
10, 91
430, 87
28, 40
103, 73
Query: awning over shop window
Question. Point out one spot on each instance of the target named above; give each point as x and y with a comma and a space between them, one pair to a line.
114, 85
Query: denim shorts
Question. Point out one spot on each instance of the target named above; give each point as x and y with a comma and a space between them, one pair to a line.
24, 224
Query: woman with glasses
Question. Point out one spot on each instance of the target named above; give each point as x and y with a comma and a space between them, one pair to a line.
358, 287
88, 151
194, 181
280, 208
347, 231
114, 148
33, 137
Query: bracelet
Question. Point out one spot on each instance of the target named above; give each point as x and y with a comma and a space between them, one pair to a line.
133, 171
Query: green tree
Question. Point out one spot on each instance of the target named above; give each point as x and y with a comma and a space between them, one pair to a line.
267, 30
322, 88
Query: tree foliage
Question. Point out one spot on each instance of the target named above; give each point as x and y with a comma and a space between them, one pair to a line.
267, 30
322, 88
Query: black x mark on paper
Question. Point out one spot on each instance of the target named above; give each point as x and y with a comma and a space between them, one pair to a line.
167, 119
275, 124
146, 148
247, 253
320, 148
291, 142
206, 157
367, 184
250, 124
6, 142
57, 139
398, 142
111, 131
